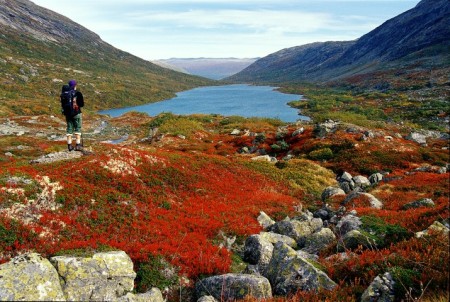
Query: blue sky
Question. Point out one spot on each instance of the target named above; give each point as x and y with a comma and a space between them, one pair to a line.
162, 29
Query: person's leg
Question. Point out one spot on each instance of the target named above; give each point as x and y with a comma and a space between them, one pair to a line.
69, 133
77, 130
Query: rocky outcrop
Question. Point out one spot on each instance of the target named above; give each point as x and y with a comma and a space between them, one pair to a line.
102, 277
288, 272
424, 202
381, 289
231, 287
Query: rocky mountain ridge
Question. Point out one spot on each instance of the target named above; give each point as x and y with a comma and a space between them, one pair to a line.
416, 39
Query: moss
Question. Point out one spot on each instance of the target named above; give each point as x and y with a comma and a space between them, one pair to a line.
383, 233
155, 272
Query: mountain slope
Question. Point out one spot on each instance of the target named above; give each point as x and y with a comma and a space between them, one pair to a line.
417, 37
213, 68
40, 49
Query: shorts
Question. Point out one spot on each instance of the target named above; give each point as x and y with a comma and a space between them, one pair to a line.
74, 124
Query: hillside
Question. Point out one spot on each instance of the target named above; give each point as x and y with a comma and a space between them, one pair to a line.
411, 43
213, 68
40, 50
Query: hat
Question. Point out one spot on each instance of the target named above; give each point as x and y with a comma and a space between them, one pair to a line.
72, 83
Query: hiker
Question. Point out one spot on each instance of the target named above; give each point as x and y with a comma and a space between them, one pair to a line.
71, 103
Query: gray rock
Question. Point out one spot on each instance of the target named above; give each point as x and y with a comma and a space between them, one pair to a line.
153, 295
298, 132
347, 186
319, 240
104, 277
331, 191
424, 202
288, 272
435, 228
381, 289
29, 277
417, 138
322, 129
274, 238
235, 132
231, 287
373, 201
361, 181
348, 223
297, 229
264, 220
207, 299
258, 251
375, 178
353, 239
345, 177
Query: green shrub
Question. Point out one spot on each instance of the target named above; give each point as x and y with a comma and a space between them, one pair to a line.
385, 234
406, 282
321, 154
156, 272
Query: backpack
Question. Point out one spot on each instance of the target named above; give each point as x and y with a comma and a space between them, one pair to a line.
67, 97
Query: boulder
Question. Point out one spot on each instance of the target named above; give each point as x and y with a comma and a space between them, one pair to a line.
345, 177
231, 287
258, 251
296, 229
375, 178
424, 202
374, 202
207, 299
331, 191
104, 276
298, 132
274, 238
322, 129
319, 240
353, 239
348, 223
288, 272
153, 295
361, 181
417, 138
381, 289
29, 277
264, 220
435, 228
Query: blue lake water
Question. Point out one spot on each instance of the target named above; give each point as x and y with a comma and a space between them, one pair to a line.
242, 100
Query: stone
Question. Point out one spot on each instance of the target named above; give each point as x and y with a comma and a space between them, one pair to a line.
375, 178
298, 132
104, 276
153, 295
361, 181
436, 227
322, 129
381, 289
348, 223
353, 239
258, 251
424, 202
230, 287
29, 277
297, 230
417, 138
288, 272
207, 299
274, 238
264, 220
235, 132
265, 158
374, 202
331, 191
319, 240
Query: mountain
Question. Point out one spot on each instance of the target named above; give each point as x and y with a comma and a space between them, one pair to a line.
40, 50
213, 68
415, 39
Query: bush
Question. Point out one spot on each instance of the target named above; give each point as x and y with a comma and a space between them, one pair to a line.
385, 234
156, 272
321, 154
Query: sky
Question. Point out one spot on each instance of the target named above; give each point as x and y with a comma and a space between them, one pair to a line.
163, 29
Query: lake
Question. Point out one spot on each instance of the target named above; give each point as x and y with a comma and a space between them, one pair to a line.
243, 100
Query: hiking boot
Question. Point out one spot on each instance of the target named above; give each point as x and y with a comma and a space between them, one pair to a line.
78, 147
70, 147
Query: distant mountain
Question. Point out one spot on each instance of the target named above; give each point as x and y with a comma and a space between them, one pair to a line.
418, 38
213, 68
40, 50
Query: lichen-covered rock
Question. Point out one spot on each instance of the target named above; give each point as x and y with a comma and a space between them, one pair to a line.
104, 277
231, 287
435, 228
348, 223
274, 238
319, 240
375, 178
361, 181
355, 238
288, 272
264, 220
258, 251
380, 290
297, 229
29, 277
153, 295
374, 202
331, 191
417, 137
424, 202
